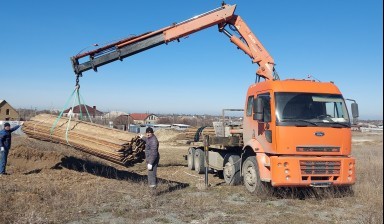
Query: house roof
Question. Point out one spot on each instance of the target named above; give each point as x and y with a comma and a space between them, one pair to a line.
3, 102
91, 110
124, 118
181, 125
140, 117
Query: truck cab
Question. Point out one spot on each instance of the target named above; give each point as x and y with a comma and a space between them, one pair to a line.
299, 134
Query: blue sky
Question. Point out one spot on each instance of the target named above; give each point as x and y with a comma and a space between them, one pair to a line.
340, 41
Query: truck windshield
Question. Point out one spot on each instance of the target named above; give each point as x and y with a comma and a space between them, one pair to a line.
310, 109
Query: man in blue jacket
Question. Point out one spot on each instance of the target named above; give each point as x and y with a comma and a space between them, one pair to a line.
5, 145
152, 156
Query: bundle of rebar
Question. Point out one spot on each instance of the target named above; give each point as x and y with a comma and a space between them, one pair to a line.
114, 145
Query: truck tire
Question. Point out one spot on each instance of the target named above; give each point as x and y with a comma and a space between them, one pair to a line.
199, 161
231, 170
191, 158
251, 175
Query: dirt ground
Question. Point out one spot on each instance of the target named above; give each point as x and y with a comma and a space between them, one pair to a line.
50, 183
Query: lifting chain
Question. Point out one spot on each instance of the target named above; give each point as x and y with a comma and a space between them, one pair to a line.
77, 86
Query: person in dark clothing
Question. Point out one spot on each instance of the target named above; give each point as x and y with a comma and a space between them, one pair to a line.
5, 145
152, 156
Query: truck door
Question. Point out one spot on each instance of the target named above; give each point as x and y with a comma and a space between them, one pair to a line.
258, 120
263, 117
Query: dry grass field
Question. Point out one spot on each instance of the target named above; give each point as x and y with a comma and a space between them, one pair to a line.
52, 183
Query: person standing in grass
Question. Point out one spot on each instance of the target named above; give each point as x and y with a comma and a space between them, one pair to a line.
152, 156
5, 145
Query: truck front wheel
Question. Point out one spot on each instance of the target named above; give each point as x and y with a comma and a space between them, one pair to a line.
231, 170
251, 175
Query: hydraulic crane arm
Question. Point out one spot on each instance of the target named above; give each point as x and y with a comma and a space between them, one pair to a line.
222, 17
252, 47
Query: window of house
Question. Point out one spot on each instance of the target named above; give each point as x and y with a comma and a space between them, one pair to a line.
7, 112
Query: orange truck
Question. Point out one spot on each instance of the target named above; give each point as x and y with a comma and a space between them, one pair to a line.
295, 133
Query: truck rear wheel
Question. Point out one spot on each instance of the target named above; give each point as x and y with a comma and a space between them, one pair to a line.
191, 158
199, 161
251, 175
231, 170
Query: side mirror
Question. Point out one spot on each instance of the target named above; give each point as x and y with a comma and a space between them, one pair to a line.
355, 110
258, 109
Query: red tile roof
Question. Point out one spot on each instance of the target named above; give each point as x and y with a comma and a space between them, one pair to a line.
139, 117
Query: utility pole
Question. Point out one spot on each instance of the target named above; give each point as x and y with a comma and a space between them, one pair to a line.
128, 122
206, 148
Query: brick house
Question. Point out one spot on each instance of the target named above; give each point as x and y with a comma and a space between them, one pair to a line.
7, 112
144, 118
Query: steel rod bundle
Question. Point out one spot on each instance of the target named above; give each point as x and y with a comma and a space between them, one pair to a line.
117, 146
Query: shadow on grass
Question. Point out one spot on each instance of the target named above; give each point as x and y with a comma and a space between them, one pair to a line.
318, 193
102, 170
33, 172
171, 186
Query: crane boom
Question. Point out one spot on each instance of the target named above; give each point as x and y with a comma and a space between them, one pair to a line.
221, 16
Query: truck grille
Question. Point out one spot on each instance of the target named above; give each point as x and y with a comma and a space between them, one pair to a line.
317, 149
320, 167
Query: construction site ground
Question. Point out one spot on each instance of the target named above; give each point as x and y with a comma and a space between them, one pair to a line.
51, 183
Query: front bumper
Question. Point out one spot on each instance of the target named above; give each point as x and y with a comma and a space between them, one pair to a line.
312, 171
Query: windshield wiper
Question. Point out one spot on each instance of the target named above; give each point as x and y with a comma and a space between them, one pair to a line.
299, 120
342, 124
